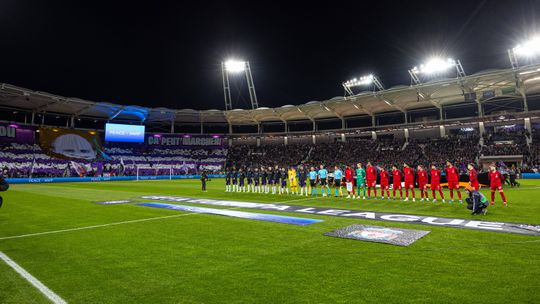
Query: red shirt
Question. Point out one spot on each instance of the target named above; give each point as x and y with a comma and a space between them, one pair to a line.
371, 173
396, 174
495, 178
349, 175
384, 178
422, 177
473, 177
435, 177
409, 174
452, 174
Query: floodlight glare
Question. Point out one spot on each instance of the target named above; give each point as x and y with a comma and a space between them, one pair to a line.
235, 66
434, 66
529, 48
362, 81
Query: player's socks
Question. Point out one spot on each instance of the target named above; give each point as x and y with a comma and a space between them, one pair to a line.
503, 196
459, 195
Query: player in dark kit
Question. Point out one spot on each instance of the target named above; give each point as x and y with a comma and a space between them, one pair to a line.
242, 177
283, 178
249, 177
264, 179
228, 180
234, 176
276, 177
270, 180
302, 177
256, 180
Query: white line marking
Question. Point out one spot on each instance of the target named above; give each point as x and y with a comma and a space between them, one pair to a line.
94, 226
56, 299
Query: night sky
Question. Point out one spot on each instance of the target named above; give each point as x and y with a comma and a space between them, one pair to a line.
168, 54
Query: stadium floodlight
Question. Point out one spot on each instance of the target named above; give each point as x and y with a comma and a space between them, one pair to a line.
366, 80
234, 66
527, 50
436, 66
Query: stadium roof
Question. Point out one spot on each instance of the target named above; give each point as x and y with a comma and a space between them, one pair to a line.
435, 94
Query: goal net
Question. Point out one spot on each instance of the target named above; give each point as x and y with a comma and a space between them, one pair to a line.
155, 171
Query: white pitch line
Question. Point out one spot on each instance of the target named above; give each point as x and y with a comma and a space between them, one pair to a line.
56, 299
94, 226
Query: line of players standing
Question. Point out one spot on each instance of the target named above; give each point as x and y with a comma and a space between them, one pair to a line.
278, 180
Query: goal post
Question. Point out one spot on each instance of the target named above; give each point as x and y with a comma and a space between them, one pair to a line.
154, 171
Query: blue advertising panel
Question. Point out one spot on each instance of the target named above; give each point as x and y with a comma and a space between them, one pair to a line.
124, 133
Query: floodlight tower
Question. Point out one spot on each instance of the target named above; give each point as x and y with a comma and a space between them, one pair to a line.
528, 50
436, 66
367, 80
235, 67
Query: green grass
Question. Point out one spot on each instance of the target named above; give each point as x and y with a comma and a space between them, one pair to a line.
214, 259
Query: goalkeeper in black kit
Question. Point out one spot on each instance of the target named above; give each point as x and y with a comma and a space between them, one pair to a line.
3, 187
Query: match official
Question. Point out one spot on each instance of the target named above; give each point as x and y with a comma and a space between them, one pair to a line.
204, 178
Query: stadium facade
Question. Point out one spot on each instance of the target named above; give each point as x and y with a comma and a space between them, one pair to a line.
430, 109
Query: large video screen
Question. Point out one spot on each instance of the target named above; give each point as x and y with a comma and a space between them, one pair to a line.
124, 133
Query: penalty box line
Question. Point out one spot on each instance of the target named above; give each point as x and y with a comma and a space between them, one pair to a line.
51, 295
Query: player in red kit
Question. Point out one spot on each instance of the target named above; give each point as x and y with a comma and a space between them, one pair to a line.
349, 179
495, 183
408, 172
371, 180
422, 182
396, 182
435, 183
452, 175
384, 183
473, 177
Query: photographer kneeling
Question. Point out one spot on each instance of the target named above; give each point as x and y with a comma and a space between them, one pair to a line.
3, 187
476, 201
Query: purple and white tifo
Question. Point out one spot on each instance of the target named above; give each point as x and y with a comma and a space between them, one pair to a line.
300, 221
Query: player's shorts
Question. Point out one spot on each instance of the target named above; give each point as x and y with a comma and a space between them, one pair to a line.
263, 181
270, 181
435, 186
256, 181
349, 186
385, 186
294, 183
284, 183
302, 183
453, 185
371, 183
422, 186
396, 186
323, 181
250, 181
361, 184
313, 182
227, 181
276, 182
241, 182
476, 187
337, 183
496, 187
409, 185
234, 181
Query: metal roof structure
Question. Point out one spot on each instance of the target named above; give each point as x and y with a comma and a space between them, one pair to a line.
479, 87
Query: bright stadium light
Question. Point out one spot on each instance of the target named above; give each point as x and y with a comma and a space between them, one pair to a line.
366, 80
529, 48
436, 66
235, 66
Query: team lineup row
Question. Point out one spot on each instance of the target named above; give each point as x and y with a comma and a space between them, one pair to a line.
359, 182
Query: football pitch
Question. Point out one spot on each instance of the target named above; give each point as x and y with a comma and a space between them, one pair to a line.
125, 253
